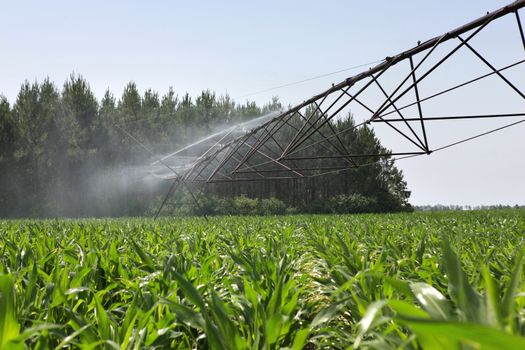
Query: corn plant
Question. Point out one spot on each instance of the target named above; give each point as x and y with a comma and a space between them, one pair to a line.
403, 281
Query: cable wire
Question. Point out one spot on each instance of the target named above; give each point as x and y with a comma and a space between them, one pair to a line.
308, 79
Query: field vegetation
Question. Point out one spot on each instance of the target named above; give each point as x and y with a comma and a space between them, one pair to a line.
448, 280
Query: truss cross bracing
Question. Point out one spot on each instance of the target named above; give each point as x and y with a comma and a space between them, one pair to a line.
449, 79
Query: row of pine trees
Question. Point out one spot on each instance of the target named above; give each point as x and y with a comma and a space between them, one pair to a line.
65, 153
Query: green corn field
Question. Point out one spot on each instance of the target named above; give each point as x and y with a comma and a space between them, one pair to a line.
450, 280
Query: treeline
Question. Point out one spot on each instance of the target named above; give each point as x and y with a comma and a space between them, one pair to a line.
441, 207
64, 153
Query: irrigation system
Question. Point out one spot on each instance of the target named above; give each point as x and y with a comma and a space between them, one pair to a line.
405, 93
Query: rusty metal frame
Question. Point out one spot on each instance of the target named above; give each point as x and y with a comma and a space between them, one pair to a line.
280, 145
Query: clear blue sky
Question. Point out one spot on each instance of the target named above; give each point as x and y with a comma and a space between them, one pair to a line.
238, 47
